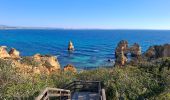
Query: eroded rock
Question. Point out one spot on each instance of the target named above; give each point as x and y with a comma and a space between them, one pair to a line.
121, 59
70, 46
3, 52
14, 53
158, 51
70, 68
50, 62
122, 45
135, 50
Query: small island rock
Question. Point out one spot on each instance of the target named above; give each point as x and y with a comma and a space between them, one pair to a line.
70, 46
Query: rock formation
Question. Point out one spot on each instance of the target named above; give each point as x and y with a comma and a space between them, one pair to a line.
49, 62
70, 46
135, 50
158, 51
70, 68
150, 53
14, 53
3, 52
37, 57
53, 63
121, 58
122, 44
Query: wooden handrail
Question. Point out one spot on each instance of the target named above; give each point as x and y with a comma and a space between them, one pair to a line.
46, 93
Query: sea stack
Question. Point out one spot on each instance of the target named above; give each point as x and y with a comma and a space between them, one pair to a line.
121, 58
135, 50
122, 44
70, 46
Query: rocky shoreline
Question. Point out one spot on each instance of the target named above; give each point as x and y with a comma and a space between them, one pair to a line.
124, 54
154, 52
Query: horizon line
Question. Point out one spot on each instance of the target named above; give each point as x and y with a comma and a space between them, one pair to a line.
64, 28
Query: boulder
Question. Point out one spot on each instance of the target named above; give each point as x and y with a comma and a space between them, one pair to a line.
135, 50
14, 53
3, 52
70, 46
122, 45
70, 67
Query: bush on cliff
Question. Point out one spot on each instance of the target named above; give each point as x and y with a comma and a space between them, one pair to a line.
144, 80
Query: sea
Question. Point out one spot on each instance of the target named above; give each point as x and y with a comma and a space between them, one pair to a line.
93, 48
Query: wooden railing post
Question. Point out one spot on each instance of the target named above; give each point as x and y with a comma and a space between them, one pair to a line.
103, 94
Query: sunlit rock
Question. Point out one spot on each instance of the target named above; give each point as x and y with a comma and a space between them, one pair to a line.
121, 58
135, 50
70, 46
14, 53
4, 52
122, 44
70, 68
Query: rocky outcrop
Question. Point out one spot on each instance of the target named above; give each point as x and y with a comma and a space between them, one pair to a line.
121, 59
122, 45
135, 50
70, 68
158, 51
123, 50
150, 53
3, 52
37, 57
50, 62
70, 46
14, 53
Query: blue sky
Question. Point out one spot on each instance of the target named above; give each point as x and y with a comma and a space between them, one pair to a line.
104, 14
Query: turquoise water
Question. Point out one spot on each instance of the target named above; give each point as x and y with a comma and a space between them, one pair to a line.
92, 47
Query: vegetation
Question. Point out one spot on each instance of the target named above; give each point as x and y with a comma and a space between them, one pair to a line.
147, 79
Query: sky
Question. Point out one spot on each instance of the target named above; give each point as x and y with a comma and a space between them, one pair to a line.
86, 14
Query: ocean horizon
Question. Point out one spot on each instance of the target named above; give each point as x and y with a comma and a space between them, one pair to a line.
93, 47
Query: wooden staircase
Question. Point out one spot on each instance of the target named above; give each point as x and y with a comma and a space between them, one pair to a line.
77, 90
